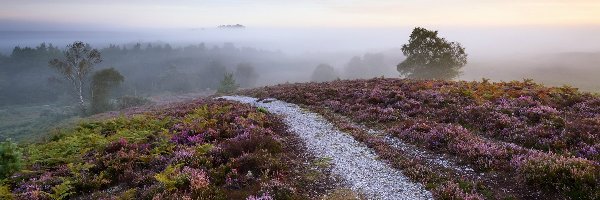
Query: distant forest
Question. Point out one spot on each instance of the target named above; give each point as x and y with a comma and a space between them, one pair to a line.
154, 68
26, 78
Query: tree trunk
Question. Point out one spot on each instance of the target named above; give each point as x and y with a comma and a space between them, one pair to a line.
81, 101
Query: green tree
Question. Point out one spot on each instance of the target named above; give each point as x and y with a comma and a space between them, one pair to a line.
369, 66
245, 75
227, 85
431, 57
173, 80
103, 82
210, 76
10, 158
323, 73
79, 60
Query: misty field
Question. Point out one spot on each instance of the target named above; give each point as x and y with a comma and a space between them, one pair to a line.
33, 122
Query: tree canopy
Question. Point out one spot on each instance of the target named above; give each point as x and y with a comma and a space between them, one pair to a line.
323, 73
245, 75
103, 82
227, 85
429, 56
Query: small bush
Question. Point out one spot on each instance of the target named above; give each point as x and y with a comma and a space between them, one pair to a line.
227, 85
62, 191
171, 178
10, 158
453, 191
577, 177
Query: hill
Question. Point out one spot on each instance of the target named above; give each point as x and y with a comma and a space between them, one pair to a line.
376, 138
521, 139
204, 149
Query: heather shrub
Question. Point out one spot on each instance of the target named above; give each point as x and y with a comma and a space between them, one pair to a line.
10, 158
198, 150
452, 191
457, 140
264, 196
171, 178
487, 125
247, 142
277, 188
120, 160
577, 177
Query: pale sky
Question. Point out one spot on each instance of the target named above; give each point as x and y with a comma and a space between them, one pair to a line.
157, 14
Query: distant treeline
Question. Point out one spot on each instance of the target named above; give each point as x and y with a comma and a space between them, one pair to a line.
26, 78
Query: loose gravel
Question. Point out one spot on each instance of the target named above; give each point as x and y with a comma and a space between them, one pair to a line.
357, 164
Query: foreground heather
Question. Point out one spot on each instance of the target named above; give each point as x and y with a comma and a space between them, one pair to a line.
545, 137
201, 150
356, 164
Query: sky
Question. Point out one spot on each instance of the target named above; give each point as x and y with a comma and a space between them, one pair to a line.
188, 14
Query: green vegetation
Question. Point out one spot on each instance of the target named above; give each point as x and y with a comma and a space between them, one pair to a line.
521, 138
31, 123
10, 158
431, 57
227, 85
323, 73
245, 75
103, 82
199, 150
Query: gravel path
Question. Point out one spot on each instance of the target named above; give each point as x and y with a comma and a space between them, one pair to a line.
350, 159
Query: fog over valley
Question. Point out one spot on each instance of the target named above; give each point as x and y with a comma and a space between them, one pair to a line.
498, 53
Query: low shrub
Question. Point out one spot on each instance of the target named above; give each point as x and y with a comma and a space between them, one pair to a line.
576, 177
452, 191
486, 124
198, 150
10, 158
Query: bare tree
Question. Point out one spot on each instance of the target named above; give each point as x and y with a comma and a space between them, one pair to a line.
77, 63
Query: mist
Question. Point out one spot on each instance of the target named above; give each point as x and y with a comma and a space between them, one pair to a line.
159, 63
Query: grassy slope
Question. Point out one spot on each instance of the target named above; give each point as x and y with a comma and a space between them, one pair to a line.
30, 123
205, 149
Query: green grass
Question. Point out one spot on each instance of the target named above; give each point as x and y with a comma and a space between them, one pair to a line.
31, 123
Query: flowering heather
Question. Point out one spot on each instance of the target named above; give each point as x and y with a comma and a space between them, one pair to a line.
206, 149
453, 191
487, 125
